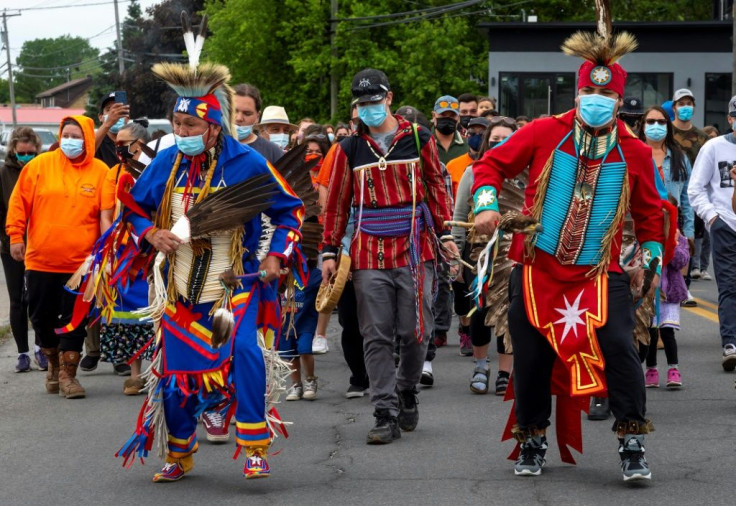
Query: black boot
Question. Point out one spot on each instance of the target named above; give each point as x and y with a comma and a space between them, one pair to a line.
385, 430
408, 410
599, 409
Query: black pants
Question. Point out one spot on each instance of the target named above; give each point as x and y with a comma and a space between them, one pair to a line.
351, 339
50, 307
534, 358
14, 278
670, 346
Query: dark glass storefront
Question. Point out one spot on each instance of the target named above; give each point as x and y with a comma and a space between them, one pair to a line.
532, 94
717, 95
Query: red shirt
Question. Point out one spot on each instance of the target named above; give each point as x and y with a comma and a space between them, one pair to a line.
356, 159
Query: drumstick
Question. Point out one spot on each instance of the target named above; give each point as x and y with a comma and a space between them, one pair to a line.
461, 224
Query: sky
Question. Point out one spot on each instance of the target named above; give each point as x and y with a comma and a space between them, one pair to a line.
96, 22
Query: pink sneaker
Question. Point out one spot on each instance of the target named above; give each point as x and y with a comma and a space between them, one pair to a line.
674, 380
651, 378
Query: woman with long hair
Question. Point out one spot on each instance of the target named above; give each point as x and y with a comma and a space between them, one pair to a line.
674, 169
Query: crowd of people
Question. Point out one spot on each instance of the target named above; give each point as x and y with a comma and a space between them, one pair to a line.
411, 201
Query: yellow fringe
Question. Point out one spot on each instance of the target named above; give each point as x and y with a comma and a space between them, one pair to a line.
536, 210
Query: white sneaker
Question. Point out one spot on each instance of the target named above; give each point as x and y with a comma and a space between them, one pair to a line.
310, 389
295, 392
695, 274
705, 276
427, 378
319, 345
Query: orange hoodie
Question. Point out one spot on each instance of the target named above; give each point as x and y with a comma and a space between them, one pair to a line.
58, 204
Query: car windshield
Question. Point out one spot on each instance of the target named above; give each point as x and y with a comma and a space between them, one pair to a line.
46, 136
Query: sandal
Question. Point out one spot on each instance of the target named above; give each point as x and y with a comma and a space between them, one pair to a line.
479, 381
502, 384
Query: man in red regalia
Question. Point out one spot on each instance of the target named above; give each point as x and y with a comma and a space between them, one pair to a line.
571, 313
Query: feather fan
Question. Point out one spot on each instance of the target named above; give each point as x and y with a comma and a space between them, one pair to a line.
295, 171
231, 207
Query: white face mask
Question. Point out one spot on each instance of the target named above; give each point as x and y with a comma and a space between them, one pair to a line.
281, 140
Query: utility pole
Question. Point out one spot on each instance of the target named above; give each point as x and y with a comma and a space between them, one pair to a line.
6, 41
333, 60
121, 65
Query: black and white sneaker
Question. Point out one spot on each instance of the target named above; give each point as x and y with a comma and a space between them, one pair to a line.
633, 464
729, 357
531, 459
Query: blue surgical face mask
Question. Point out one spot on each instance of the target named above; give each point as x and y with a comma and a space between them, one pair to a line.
72, 148
281, 140
120, 123
685, 112
655, 132
372, 115
244, 132
24, 159
597, 110
191, 146
331, 137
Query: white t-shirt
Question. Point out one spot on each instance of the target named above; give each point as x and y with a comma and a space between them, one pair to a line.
711, 187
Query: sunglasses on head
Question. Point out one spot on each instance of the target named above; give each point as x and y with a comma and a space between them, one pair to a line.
658, 121
502, 120
452, 105
25, 153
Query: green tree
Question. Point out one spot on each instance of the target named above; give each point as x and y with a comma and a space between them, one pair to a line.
46, 63
284, 49
147, 40
4, 92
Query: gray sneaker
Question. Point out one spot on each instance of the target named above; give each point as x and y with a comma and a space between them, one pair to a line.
531, 459
633, 464
729, 357
310, 389
295, 392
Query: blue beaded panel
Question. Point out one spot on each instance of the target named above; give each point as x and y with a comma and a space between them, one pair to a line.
559, 196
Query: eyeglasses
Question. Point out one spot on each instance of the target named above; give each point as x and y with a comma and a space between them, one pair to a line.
652, 121
25, 153
502, 120
445, 104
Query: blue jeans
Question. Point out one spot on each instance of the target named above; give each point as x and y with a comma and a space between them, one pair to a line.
701, 259
723, 240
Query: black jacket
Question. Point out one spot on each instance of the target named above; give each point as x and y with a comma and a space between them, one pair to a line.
9, 173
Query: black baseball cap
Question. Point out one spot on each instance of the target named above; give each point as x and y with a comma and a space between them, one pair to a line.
632, 106
110, 97
369, 85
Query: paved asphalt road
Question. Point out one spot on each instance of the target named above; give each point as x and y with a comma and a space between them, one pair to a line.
56, 451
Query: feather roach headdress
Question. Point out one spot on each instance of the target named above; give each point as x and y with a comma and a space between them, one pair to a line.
600, 51
202, 88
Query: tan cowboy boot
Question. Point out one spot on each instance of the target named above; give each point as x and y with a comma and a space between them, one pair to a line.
52, 373
69, 386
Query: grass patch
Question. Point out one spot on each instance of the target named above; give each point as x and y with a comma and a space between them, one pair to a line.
5, 333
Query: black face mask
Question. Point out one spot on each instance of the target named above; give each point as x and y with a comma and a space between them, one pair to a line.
464, 120
474, 142
124, 153
446, 126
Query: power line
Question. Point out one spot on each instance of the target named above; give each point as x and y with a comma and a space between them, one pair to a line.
77, 64
427, 10
422, 15
69, 6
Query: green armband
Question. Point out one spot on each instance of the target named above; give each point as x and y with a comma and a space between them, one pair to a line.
649, 251
485, 200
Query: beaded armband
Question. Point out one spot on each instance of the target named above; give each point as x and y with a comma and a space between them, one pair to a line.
485, 200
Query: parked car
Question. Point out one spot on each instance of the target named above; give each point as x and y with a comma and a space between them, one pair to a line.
47, 139
155, 125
